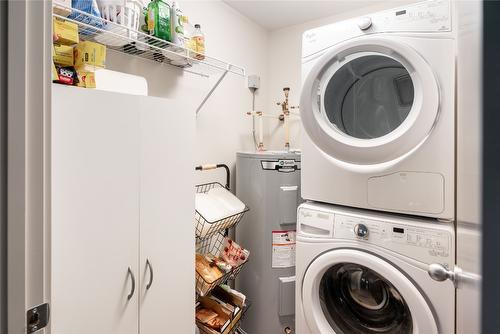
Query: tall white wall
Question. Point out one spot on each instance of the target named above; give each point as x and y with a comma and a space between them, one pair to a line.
284, 64
222, 125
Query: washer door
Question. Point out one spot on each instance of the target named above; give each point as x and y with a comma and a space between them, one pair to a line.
369, 101
353, 292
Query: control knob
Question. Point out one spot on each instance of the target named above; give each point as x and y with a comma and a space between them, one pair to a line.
364, 23
361, 230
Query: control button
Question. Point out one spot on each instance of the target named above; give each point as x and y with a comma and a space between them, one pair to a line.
361, 230
364, 23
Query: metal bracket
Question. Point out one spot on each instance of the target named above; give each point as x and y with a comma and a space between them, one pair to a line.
37, 318
214, 87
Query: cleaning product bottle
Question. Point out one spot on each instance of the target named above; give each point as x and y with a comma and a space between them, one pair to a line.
190, 43
177, 25
199, 40
159, 20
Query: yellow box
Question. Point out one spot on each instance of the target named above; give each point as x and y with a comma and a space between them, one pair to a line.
90, 53
61, 7
85, 79
55, 76
62, 55
65, 32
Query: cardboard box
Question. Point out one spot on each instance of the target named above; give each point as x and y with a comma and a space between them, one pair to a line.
62, 55
85, 78
62, 7
90, 54
208, 303
55, 76
65, 32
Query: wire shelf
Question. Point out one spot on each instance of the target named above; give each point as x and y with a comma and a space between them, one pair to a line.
213, 246
206, 229
122, 39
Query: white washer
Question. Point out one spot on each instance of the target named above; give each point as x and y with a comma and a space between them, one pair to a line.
378, 110
361, 272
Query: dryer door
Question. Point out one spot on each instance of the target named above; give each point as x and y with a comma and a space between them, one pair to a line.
350, 291
369, 101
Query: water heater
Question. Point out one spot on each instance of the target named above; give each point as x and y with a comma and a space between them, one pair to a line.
268, 183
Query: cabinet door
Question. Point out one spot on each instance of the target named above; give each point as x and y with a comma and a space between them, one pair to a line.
167, 211
95, 212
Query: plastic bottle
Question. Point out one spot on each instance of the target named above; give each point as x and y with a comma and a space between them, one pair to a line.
159, 18
199, 39
177, 25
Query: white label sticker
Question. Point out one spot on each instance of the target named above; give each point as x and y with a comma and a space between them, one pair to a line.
283, 249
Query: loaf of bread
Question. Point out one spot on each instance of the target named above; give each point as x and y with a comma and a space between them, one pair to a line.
209, 271
205, 315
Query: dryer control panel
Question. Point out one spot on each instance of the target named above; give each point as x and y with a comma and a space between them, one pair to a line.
420, 242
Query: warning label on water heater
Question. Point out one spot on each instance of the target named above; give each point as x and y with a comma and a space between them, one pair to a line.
283, 249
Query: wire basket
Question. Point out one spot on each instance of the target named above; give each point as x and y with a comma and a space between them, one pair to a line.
205, 229
213, 246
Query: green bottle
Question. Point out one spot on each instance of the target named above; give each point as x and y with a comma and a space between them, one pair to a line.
159, 24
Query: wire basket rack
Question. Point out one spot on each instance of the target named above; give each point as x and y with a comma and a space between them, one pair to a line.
126, 40
213, 246
206, 229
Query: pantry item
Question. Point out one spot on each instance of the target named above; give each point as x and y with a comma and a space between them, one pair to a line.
66, 75
125, 14
208, 270
233, 253
159, 24
219, 262
62, 55
91, 54
177, 25
224, 323
190, 42
199, 41
89, 7
204, 315
228, 295
55, 76
86, 79
65, 32
62, 7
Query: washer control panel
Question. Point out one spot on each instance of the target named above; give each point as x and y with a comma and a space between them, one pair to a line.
418, 241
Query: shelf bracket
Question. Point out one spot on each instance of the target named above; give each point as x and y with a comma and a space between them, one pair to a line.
210, 92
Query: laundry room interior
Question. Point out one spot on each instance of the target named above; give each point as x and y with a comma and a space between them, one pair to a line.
249, 167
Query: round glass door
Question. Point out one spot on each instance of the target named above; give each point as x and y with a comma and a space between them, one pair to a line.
368, 97
348, 291
369, 101
357, 300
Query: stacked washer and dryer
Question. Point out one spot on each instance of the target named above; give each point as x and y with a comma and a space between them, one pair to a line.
375, 240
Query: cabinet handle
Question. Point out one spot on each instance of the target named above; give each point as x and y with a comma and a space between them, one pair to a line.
148, 264
133, 283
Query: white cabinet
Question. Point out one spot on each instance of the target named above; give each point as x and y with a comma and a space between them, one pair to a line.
167, 210
122, 193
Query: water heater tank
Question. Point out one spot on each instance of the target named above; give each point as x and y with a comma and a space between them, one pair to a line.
269, 183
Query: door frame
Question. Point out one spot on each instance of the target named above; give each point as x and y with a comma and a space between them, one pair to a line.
28, 158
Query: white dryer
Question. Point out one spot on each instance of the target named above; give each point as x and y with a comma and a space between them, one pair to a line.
378, 110
361, 272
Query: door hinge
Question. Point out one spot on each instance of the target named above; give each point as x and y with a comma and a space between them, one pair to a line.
37, 318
